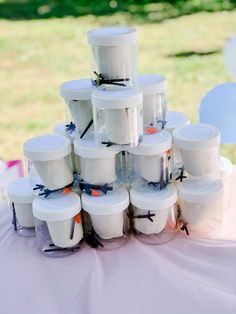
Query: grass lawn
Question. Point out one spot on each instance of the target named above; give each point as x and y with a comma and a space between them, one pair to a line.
36, 56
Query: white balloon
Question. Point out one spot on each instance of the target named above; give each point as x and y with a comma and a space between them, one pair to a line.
218, 107
230, 56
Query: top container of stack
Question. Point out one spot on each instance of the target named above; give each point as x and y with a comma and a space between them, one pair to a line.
115, 53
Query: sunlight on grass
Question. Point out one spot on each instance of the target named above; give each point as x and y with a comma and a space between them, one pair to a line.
38, 55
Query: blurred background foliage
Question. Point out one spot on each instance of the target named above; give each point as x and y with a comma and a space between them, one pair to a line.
43, 43
144, 11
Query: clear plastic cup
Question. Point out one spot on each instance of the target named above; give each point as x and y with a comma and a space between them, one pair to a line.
114, 51
175, 119
200, 202
58, 224
77, 96
49, 163
153, 213
20, 197
151, 158
124, 168
154, 88
118, 121
199, 146
109, 219
98, 165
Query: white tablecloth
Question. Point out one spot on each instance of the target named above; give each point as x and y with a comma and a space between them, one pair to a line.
183, 276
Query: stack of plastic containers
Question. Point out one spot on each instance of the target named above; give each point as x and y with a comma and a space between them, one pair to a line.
113, 168
118, 125
56, 208
152, 194
201, 193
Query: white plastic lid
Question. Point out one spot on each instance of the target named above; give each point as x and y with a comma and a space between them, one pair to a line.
152, 144
200, 191
112, 36
87, 148
111, 203
77, 90
175, 119
60, 129
116, 97
196, 136
20, 191
152, 84
57, 209
47, 147
148, 198
226, 168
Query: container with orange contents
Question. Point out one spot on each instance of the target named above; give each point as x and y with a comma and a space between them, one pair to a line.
58, 224
49, 164
152, 158
108, 215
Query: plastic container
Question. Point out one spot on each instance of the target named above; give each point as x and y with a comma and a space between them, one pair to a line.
153, 213
109, 218
58, 224
151, 160
117, 116
60, 129
174, 120
201, 205
124, 166
199, 149
114, 52
77, 96
20, 196
226, 172
154, 88
98, 165
49, 162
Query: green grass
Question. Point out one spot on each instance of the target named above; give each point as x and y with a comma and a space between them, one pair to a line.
36, 56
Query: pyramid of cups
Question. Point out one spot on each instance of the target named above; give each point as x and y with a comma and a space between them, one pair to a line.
122, 162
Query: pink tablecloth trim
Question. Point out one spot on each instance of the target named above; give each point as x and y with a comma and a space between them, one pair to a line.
16, 163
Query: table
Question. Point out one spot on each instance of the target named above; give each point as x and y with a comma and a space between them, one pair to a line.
184, 276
